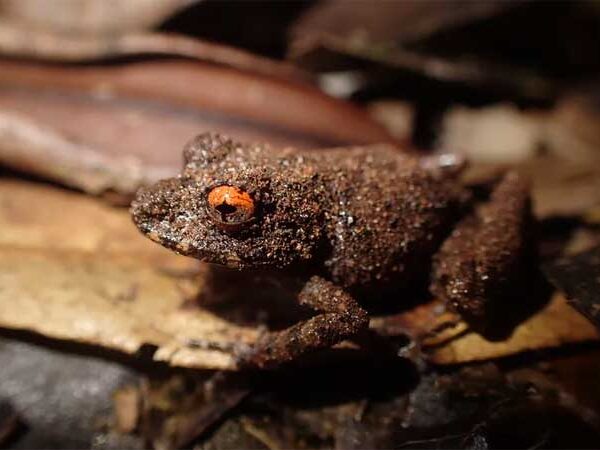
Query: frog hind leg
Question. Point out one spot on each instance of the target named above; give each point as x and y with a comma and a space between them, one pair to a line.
486, 268
340, 318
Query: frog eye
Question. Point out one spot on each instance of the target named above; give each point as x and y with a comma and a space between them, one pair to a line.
230, 206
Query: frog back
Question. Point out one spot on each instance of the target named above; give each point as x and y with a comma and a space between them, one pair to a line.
387, 214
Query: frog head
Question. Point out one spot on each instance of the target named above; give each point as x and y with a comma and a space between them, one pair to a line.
237, 205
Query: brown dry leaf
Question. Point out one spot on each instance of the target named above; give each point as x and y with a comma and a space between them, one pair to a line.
36, 216
113, 128
128, 405
34, 147
72, 268
502, 133
118, 302
567, 181
557, 324
565, 176
382, 32
397, 116
573, 128
295, 107
385, 21
561, 187
84, 30
90, 16
497, 134
416, 322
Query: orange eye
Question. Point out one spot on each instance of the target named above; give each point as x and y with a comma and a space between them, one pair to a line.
230, 206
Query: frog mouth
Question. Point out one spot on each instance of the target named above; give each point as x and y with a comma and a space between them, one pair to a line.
167, 238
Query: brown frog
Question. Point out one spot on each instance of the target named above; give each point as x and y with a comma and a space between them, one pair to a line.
349, 220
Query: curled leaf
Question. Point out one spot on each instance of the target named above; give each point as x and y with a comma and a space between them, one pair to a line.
111, 129
556, 325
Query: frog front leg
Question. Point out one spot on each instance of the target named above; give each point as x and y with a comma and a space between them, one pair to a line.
486, 269
340, 318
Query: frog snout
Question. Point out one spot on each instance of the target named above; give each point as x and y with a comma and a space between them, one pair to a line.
149, 207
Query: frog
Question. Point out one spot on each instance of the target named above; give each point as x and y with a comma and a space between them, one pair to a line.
347, 221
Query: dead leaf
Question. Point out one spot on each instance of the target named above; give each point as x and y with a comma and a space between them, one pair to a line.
561, 187
128, 403
293, 106
382, 21
73, 268
500, 134
579, 277
445, 339
573, 127
116, 302
113, 128
35, 148
39, 217
90, 16
556, 325
416, 322
386, 33
398, 117
86, 30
